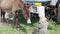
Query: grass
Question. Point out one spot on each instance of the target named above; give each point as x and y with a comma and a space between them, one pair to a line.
53, 28
24, 27
7, 29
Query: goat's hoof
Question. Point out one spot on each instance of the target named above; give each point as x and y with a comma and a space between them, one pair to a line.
28, 22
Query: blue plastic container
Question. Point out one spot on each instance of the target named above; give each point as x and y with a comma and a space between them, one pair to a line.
36, 0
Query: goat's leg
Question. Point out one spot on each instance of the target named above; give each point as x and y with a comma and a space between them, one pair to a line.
16, 14
16, 23
27, 17
3, 16
15, 20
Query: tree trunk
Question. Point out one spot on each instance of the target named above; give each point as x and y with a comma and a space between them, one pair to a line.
43, 24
